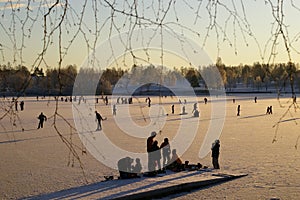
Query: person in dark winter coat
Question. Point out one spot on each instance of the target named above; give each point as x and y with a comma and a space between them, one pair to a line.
238, 110
22, 105
42, 118
215, 152
150, 141
98, 119
166, 151
114, 110
156, 154
124, 167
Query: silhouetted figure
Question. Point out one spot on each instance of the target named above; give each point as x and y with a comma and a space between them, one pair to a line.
192, 167
255, 99
150, 140
114, 110
205, 100
215, 152
196, 113
172, 108
130, 100
42, 118
22, 105
166, 151
238, 110
106, 100
294, 99
37, 98
156, 154
271, 110
195, 107
124, 167
149, 102
183, 110
98, 119
195, 110
137, 168
16, 105
175, 163
233, 100
268, 110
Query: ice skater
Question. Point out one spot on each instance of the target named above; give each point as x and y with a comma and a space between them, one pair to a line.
149, 102
238, 110
106, 100
183, 111
42, 118
114, 110
196, 113
215, 152
22, 105
268, 110
195, 107
98, 119
16, 104
172, 108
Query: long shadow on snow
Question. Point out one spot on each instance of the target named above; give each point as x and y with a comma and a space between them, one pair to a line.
94, 188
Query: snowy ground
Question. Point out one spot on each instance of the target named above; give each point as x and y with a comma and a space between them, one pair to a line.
35, 161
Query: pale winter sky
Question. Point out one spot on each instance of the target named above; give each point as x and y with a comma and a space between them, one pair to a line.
247, 36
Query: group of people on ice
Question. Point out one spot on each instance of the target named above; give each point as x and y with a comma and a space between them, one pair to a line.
171, 161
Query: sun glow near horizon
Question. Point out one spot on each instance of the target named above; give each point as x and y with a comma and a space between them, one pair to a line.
242, 36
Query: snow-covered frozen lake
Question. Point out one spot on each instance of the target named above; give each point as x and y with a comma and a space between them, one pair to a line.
35, 161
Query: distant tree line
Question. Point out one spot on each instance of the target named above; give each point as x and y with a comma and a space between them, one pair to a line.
282, 77
259, 77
